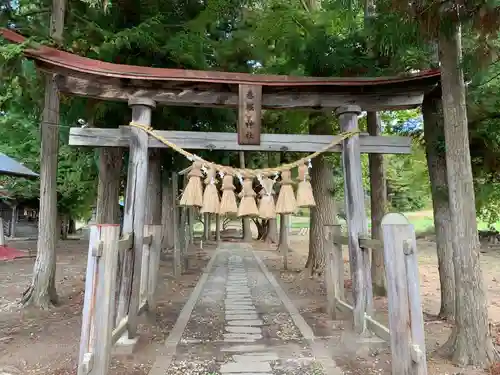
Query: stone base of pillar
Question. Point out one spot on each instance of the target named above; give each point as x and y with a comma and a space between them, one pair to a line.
125, 346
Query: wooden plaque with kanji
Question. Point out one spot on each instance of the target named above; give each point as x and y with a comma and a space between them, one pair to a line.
249, 114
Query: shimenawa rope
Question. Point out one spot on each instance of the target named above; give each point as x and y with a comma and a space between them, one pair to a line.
244, 172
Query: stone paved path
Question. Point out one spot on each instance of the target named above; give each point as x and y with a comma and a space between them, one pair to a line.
238, 321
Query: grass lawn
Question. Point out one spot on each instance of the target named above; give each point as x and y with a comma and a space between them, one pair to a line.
422, 220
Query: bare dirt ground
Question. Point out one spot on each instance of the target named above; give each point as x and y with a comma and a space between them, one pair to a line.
46, 342
309, 297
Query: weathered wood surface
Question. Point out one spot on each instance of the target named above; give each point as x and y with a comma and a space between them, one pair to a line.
154, 265
284, 100
414, 300
100, 137
126, 242
334, 270
2, 234
249, 114
217, 227
364, 242
89, 300
378, 328
357, 224
105, 297
177, 246
119, 330
184, 236
145, 262
99, 301
133, 221
396, 232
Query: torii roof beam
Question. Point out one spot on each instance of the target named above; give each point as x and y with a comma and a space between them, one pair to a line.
99, 137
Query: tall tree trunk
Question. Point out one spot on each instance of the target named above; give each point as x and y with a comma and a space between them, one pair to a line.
42, 290
167, 215
246, 223
322, 186
436, 161
378, 201
470, 341
271, 235
108, 189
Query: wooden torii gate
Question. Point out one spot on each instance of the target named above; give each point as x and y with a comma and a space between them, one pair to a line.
144, 88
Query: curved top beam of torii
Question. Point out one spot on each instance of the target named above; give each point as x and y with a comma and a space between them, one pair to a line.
87, 77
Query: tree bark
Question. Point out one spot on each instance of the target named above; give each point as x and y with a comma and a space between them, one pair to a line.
470, 341
378, 201
108, 189
324, 212
246, 223
42, 290
167, 215
436, 161
271, 235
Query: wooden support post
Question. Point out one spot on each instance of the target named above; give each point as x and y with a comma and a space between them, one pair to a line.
284, 246
13, 222
206, 226
405, 309
154, 264
2, 233
184, 237
145, 262
99, 303
106, 269
176, 264
356, 217
133, 221
88, 329
191, 221
217, 228
334, 271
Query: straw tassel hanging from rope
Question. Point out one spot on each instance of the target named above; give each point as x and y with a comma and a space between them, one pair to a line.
305, 196
267, 208
286, 203
211, 202
248, 206
228, 204
193, 193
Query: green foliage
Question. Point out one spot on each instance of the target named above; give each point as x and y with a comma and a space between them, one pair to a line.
19, 121
408, 181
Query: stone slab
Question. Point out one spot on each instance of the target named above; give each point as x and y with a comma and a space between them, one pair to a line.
245, 367
259, 357
242, 336
243, 329
249, 316
239, 306
239, 303
247, 322
245, 348
125, 346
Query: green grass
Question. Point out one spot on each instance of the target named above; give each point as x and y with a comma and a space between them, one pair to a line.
423, 222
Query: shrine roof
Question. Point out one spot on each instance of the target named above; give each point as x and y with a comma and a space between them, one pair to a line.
129, 78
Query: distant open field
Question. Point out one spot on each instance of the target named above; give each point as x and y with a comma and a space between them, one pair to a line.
422, 220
